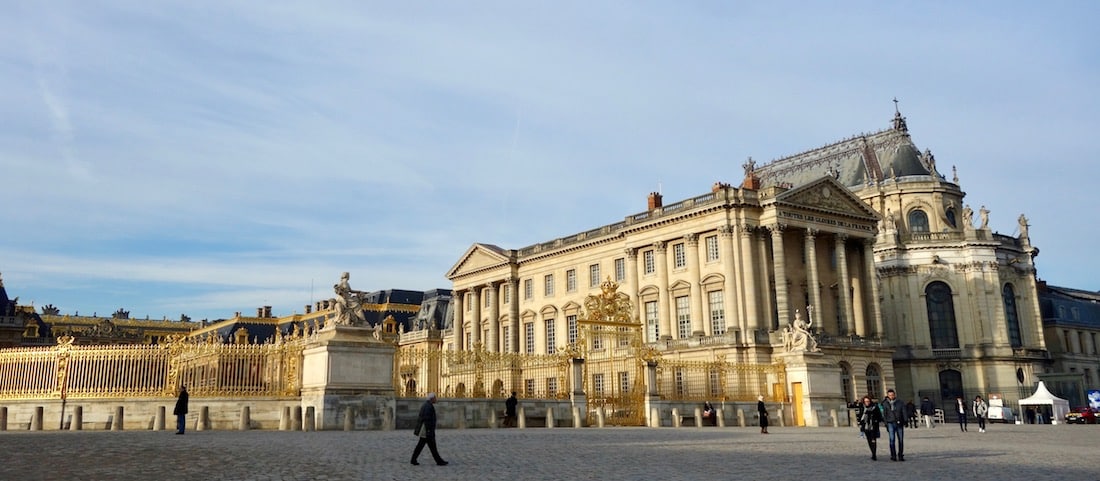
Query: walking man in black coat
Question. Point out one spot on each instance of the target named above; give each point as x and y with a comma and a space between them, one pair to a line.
425, 430
181, 410
510, 411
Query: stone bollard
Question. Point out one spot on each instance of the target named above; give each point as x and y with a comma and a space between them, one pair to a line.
577, 421
349, 419
698, 417
599, 417
4, 418
719, 413
246, 418
202, 423
521, 413
675, 417
493, 418
36, 421
779, 416
654, 418
741, 417
388, 421
284, 419
832, 414
76, 423
158, 421
117, 423
296, 420
550, 417
308, 421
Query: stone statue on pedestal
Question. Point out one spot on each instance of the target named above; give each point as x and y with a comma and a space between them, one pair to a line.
349, 304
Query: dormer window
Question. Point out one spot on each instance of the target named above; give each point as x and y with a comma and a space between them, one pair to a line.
950, 214
918, 221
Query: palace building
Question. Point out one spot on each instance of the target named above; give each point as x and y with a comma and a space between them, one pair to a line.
863, 241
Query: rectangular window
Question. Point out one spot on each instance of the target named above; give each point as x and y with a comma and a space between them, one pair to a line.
713, 382
529, 337
571, 280
548, 285
507, 293
507, 341
594, 275
620, 269
679, 256
712, 248
597, 384
529, 387
624, 382
683, 316
717, 313
528, 288
652, 329
552, 387
551, 346
469, 301
571, 322
679, 379
650, 262
488, 297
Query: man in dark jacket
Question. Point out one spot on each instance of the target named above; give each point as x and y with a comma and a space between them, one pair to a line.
927, 410
510, 411
181, 410
425, 430
893, 414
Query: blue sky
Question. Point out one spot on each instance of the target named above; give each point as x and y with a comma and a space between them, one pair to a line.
211, 157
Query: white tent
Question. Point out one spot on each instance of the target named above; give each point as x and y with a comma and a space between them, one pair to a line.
1042, 397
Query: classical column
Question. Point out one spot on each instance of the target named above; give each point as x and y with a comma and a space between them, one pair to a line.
494, 317
457, 328
750, 285
698, 327
813, 282
475, 316
632, 287
513, 315
844, 289
665, 307
767, 313
872, 280
779, 263
730, 299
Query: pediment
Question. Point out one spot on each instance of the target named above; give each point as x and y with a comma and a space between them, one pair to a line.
826, 194
478, 258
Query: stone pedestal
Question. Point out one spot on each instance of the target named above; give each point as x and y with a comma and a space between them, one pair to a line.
818, 377
347, 372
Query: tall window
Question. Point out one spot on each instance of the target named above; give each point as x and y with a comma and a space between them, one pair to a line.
620, 269
529, 337
683, 316
624, 382
717, 313
874, 382
651, 322
650, 262
1011, 317
486, 297
571, 327
846, 382
679, 256
528, 288
712, 248
950, 214
714, 383
679, 378
594, 275
507, 293
941, 316
469, 301
597, 383
548, 285
918, 221
507, 339
529, 387
571, 280
551, 346
551, 387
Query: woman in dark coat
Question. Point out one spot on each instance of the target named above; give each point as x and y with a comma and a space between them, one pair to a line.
869, 417
763, 411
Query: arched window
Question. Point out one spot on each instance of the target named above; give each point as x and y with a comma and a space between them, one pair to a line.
1011, 318
874, 381
918, 221
941, 316
846, 382
951, 386
951, 218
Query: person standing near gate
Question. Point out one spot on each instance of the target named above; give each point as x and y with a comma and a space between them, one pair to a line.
181, 410
762, 410
510, 411
425, 430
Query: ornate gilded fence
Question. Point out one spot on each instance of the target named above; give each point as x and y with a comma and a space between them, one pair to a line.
481, 374
716, 380
68, 371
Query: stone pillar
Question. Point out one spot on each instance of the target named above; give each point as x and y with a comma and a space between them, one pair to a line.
578, 398
36, 421
284, 419
309, 421
750, 286
296, 420
246, 418
764, 277
631, 289
813, 281
845, 287
4, 418
698, 325
117, 423
521, 414
349, 418
203, 422
779, 263
494, 317
458, 326
342, 367
652, 397
513, 315
665, 307
158, 421
475, 317
730, 300
77, 421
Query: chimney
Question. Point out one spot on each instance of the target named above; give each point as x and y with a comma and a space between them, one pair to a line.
654, 200
267, 311
719, 186
309, 308
259, 312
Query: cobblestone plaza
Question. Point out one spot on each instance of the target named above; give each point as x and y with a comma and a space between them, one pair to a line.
1004, 453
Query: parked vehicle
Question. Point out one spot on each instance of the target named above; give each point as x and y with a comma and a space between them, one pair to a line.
1082, 415
1001, 414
